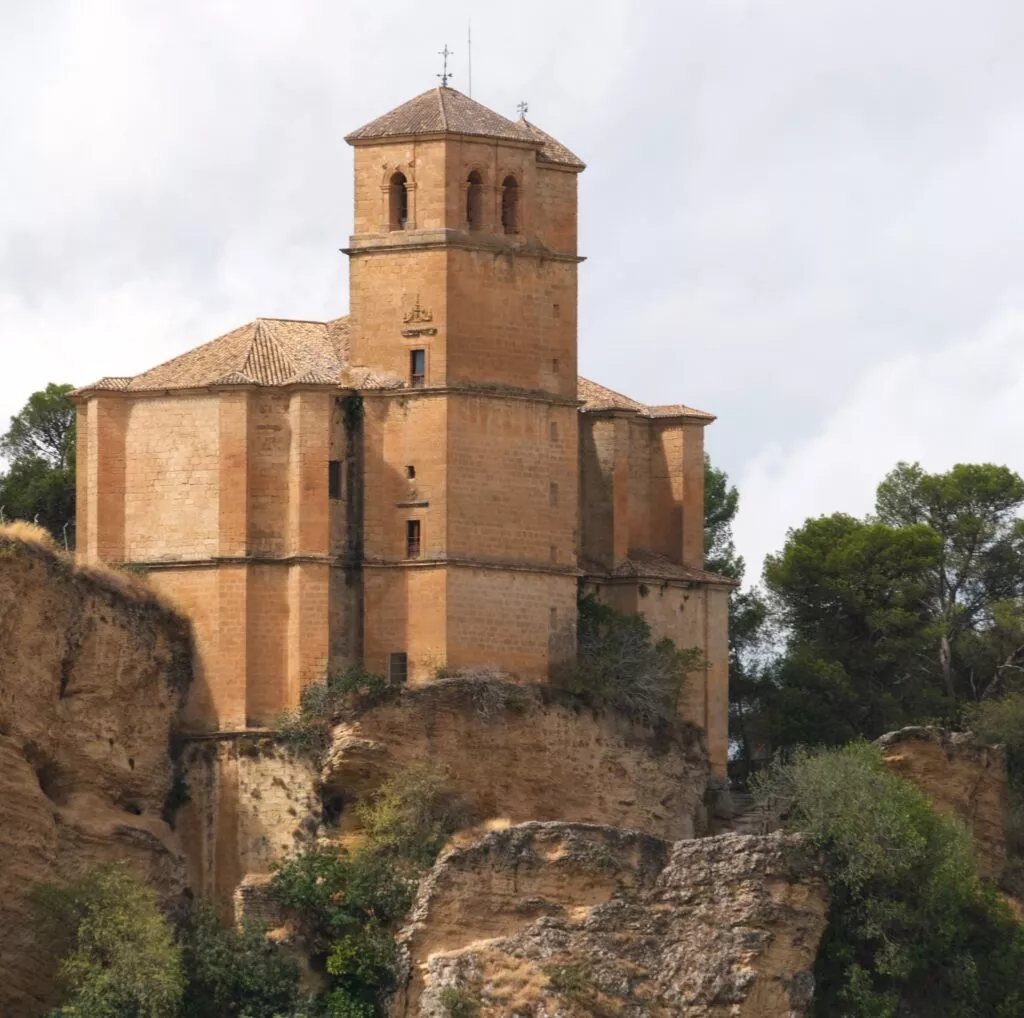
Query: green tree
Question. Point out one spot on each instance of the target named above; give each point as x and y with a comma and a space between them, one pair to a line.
851, 597
232, 973
346, 904
40, 447
721, 503
118, 956
43, 429
912, 930
974, 509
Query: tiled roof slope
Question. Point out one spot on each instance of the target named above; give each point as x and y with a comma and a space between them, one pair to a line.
650, 565
551, 150
439, 111
596, 397
267, 351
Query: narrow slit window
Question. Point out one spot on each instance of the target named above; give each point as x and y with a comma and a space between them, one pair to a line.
412, 538
510, 205
398, 201
410, 472
334, 474
554, 431
553, 493
474, 201
417, 368
398, 667
553, 618
555, 366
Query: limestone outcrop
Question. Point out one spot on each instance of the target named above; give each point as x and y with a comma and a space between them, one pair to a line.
551, 919
92, 670
961, 777
518, 753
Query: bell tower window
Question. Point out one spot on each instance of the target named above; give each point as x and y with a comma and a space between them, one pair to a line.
474, 201
398, 201
510, 205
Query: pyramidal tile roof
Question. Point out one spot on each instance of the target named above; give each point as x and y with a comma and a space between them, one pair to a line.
266, 351
551, 150
440, 110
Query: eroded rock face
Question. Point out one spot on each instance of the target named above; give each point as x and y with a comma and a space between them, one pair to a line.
961, 777
514, 755
92, 670
550, 919
250, 804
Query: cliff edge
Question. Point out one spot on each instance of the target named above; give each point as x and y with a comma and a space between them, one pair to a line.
92, 669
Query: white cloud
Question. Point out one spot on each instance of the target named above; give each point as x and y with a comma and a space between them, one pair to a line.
961, 403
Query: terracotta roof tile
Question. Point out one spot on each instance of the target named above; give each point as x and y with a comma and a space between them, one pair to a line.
439, 111
551, 150
267, 352
596, 397
650, 565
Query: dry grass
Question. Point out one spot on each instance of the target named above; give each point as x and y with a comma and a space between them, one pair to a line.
28, 533
121, 584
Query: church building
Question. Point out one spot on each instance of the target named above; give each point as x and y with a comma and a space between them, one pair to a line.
424, 484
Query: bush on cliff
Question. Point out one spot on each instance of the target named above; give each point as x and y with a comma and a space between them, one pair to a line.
620, 667
308, 728
912, 929
233, 973
118, 958
346, 904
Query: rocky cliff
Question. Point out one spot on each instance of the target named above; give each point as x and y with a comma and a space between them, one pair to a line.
550, 919
514, 753
92, 670
961, 777
511, 754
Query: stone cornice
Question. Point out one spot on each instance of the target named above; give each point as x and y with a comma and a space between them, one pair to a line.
422, 240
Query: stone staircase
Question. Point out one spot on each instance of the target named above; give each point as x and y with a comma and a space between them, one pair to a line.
745, 818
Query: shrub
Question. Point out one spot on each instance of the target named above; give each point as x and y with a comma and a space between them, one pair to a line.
619, 666
459, 1003
233, 973
912, 930
412, 815
118, 956
346, 905
308, 728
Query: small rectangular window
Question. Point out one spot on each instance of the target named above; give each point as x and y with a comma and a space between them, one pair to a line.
398, 666
412, 538
553, 494
417, 368
334, 478
554, 365
553, 618
410, 471
554, 431
557, 310
554, 554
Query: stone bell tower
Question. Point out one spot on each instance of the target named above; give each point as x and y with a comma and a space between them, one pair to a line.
463, 308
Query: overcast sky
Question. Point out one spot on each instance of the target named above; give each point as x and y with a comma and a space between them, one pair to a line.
803, 215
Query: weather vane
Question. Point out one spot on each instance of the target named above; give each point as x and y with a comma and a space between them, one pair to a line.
523, 107
445, 74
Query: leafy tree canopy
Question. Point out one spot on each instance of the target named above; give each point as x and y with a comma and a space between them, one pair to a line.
43, 429
40, 447
118, 956
912, 930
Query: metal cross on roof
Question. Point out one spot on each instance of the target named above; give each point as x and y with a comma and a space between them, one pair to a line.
445, 73
523, 107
